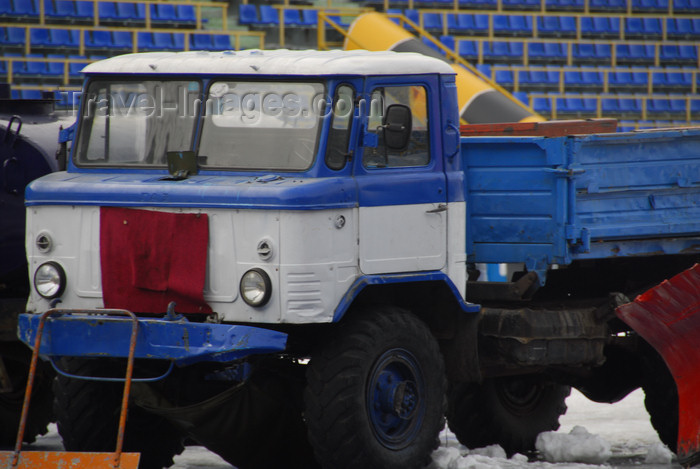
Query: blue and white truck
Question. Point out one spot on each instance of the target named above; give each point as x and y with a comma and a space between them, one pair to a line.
299, 235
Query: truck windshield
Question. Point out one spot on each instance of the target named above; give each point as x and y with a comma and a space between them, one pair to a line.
262, 125
135, 123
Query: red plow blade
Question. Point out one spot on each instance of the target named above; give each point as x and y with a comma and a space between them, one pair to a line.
667, 316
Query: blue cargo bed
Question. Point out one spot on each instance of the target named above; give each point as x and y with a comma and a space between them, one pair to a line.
545, 201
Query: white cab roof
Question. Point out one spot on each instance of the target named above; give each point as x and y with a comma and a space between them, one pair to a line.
273, 62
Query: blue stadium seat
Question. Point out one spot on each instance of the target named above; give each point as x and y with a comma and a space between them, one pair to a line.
521, 4
201, 41
107, 11
179, 41
163, 41
548, 26
520, 25
686, 6
144, 40
99, 40
679, 28
63, 9
584, 52
130, 13
309, 18
55, 69
688, 55
658, 107
221, 42
64, 38
432, 22
567, 26
412, 15
620, 80
39, 38
501, 26
74, 68
640, 80
468, 50
291, 16
573, 80
591, 78
5, 10
634, 27
522, 97
481, 24
641, 54
603, 52
496, 51
555, 52
448, 41
84, 11
269, 16
123, 40
650, 6
652, 27
609, 105
14, 37
630, 106
186, 15
504, 78
247, 14
573, 5
452, 20
32, 69
430, 44
542, 105
25, 9
164, 14
608, 5
485, 69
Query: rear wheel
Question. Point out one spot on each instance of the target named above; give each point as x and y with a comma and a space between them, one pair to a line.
509, 411
376, 393
87, 414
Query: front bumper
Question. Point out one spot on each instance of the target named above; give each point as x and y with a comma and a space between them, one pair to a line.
98, 333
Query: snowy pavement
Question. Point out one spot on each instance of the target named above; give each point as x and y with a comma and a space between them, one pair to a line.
620, 434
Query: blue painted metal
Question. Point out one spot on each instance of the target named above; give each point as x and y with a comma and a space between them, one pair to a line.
547, 201
395, 398
181, 341
366, 280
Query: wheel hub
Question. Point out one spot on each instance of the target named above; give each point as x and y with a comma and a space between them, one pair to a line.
397, 397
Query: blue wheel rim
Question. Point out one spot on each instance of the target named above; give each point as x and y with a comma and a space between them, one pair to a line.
396, 398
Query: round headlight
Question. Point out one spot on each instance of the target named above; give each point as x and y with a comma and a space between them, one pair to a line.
256, 287
50, 280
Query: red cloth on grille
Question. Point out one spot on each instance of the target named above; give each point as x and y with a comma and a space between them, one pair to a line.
149, 259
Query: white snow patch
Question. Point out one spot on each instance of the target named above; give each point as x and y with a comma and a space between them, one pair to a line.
658, 454
492, 451
577, 446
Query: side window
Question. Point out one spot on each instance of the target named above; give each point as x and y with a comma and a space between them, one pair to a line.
339, 134
418, 151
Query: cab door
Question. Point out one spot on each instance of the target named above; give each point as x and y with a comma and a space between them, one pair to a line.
402, 194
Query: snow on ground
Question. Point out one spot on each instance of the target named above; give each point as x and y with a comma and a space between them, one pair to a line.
621, 432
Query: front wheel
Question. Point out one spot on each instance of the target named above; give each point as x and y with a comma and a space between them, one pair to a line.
508, 411
376, 393
87, 414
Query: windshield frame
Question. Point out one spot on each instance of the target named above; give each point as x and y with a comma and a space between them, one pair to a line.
82, 139
320, 123
204, 82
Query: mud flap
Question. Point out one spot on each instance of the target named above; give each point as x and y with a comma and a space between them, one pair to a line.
667, 317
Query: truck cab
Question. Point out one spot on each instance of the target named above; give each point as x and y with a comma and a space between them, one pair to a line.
288, 159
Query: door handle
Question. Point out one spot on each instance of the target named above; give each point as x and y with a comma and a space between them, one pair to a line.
438, 209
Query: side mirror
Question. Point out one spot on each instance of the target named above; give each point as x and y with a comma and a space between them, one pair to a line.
397, 125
